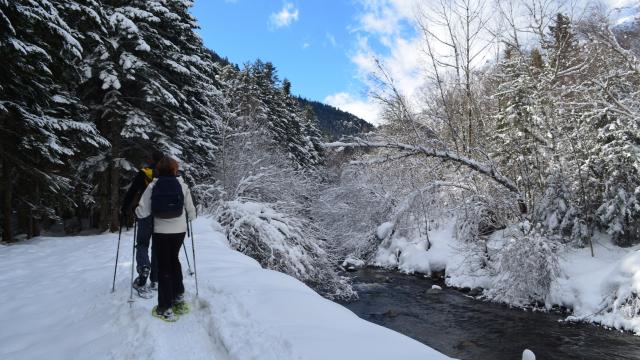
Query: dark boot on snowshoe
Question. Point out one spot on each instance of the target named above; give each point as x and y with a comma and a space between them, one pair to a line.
167, 315
143, 274
153, 285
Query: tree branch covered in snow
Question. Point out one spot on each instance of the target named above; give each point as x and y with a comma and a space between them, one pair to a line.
472, 164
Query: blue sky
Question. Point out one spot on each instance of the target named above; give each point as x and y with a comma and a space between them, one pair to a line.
324, 47
312, 49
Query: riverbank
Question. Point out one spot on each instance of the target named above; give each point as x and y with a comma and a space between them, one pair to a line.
465, 328
602, 289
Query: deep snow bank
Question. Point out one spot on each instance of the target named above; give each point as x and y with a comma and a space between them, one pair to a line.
57, 305
604, 289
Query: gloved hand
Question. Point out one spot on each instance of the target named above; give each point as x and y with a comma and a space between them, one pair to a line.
125, 214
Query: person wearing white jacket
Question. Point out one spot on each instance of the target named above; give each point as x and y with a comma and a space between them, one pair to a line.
168, 236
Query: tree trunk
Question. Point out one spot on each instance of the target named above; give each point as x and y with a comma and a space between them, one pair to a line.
114, 187
114, 179
23, 217
103, 207
7, 231
36, 217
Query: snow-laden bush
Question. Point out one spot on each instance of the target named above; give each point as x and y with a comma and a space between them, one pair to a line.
619, 213
481, 215
284, 243
527, 265
348, 209
265, 200
208, 197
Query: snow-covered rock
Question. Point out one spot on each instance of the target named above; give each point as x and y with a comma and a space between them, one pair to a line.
528, 355
352, 263
421, 255
384, 230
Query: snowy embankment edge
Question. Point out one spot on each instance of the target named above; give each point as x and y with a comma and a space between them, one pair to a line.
312, 327
586, 287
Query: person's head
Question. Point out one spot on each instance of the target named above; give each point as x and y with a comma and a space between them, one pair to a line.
167, 166
156, 156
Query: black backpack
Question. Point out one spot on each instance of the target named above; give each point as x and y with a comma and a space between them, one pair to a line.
167, 199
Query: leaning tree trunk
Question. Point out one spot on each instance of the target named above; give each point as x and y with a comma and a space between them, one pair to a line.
7, 231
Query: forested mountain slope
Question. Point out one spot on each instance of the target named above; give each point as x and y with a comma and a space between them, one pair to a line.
335, 123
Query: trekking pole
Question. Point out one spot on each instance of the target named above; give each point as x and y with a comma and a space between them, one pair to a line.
186, 254
115, 269
193, 249
133, 259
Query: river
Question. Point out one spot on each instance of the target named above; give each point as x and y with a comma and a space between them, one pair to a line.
465, 328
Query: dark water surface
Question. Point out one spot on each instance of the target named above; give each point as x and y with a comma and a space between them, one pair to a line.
465, 328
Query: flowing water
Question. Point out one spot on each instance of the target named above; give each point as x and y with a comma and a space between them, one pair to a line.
465, 328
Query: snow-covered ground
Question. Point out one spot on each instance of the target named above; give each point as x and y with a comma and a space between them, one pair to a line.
603, 289
57, 304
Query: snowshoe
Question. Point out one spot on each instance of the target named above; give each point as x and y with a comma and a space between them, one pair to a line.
181, 308
142, 291
166, 315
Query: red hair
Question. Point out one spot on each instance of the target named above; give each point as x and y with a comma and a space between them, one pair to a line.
168, 166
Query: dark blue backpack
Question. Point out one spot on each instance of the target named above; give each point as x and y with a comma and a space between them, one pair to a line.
167, 199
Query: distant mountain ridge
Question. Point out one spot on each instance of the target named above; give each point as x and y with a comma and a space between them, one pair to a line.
626, 26
336, 123
627, 15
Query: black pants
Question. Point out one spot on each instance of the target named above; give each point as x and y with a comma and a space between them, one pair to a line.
167, 249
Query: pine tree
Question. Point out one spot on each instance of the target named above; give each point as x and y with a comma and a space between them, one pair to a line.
268, 102
149, 84
41, 122
562, 46
520, 124
189, 66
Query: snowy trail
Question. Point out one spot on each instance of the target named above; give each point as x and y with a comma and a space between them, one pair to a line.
65, 308
58, 304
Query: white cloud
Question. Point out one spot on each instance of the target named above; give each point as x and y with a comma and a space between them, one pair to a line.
284, 17
365, 109
388, 30
331, 39
306, 45
383, 22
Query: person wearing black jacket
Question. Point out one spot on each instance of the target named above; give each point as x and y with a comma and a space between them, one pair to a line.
147, 268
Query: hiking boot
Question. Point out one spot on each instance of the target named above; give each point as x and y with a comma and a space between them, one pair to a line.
143, 274
166, 315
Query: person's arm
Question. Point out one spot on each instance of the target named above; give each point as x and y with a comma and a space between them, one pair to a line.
137, 186
188, 204
144, 206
